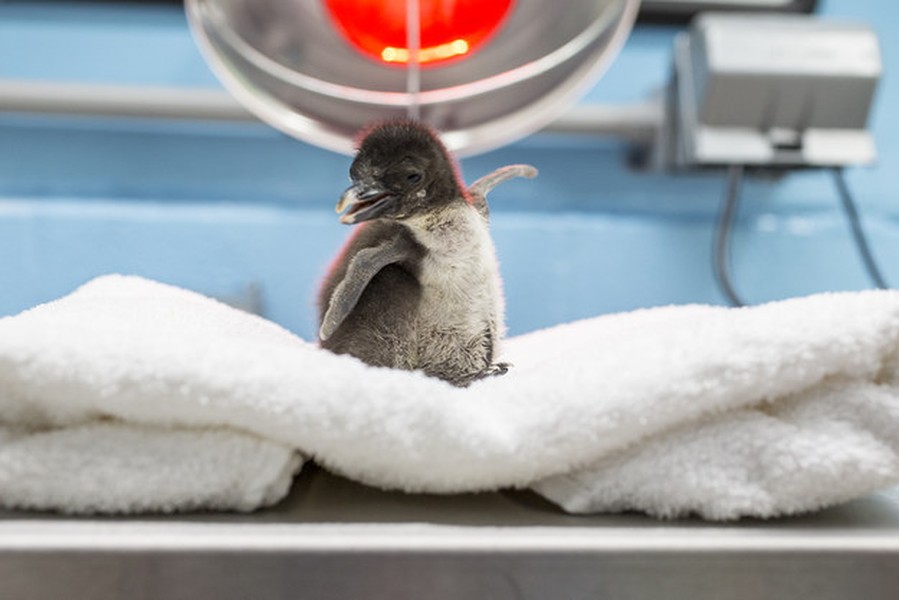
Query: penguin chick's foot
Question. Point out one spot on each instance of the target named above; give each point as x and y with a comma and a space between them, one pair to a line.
491, 371
496, 369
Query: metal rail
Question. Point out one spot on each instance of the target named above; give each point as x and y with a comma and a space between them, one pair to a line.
638, 122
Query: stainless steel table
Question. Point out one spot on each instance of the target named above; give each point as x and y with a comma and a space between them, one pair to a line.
332, 538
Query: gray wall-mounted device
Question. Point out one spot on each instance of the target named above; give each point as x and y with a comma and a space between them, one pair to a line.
773, 90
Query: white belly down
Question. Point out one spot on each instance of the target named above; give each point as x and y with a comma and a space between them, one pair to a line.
460, 317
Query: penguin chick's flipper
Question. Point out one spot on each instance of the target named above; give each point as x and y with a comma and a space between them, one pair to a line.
364, 265
478, 190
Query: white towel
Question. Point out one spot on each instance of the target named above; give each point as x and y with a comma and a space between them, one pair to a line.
130, 395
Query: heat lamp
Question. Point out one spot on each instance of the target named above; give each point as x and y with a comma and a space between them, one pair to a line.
483, 72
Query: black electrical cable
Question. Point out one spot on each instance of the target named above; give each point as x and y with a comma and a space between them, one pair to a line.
728, 214
726, 219
858, 233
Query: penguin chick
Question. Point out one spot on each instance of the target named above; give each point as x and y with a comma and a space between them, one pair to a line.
417, 286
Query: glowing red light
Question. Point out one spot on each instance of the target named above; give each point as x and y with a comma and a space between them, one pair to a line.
449, 28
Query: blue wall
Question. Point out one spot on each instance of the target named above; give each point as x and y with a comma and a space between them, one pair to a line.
219, 207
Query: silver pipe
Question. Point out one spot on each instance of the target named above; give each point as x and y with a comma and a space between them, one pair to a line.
639, 122
120, 101
635, 122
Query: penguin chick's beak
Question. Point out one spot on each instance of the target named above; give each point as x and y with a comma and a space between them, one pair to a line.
365, 201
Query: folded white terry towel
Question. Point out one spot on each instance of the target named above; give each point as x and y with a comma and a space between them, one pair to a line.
130, 395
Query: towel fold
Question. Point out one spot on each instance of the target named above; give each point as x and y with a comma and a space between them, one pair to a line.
130, 395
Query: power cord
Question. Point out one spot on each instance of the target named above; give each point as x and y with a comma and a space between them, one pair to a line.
727, 217
861, 241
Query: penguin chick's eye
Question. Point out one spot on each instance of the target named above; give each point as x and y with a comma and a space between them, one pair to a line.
414, 177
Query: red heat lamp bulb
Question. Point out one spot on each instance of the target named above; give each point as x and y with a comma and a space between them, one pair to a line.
450, 29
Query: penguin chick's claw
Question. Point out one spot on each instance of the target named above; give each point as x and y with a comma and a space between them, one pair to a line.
491, 371
478, 190
497, 369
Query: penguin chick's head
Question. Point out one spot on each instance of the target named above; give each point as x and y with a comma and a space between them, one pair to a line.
401, 169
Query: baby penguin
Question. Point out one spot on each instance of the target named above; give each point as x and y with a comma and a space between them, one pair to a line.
417, 286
